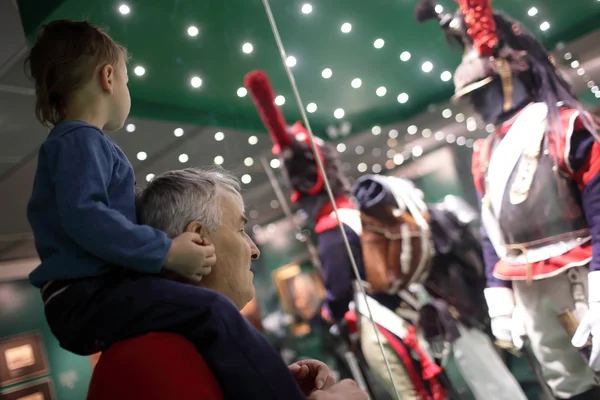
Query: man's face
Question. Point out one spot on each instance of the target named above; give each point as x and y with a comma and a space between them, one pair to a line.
231, 276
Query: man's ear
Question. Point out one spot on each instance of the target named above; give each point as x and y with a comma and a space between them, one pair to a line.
197, 227
107, 77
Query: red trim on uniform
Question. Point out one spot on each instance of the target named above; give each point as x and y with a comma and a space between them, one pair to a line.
590, 167
326, 221
407, 362
575, 257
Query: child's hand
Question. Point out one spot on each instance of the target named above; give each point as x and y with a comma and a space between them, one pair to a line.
312, 375
191, 257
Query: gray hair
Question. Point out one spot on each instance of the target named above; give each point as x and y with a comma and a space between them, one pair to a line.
172, 200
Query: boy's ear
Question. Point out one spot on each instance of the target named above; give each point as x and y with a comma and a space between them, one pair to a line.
106, 76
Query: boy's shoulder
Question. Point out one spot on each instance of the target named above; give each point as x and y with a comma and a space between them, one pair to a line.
84, 129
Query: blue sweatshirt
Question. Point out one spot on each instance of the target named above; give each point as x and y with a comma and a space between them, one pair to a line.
82, 209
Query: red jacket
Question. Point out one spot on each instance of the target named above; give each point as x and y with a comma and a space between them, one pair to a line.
156, 366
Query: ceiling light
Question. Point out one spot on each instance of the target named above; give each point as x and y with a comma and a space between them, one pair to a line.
130, 127
450, 138
346, 27
446, 76
412, 129
381, 91
241, 92
393, 134
461, 141
398, 159
544, 26
392, 142
339, 113
490, 128
376, 130
471, 124
359, 150
426, 133
124, 9
580, 72
311, 107
389, 164
149, 177
532, 11
274, 204
470, 143
252, 140
439, 9
219, 160
280, 100
183, 158
402, 98
460, 117
568, 56
439, 135
341, 147
306, 8
574, 64
248, 161
378, 43
391, 153
417, 151
427, 66
405, 56
246, 179
376, 168
447, 113
291, 61
356, 83
196, 82
376, 152
178, 132
142, 155
253, 214
247, 48
597, 94
362, 167
219, 136
275, 163
326, 73
193, 31
139, 71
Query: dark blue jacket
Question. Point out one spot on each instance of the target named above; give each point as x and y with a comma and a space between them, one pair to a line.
82, 209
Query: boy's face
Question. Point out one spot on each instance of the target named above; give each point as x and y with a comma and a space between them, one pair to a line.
120, 104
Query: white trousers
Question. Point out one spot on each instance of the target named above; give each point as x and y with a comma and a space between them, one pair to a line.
563, 368
373, 356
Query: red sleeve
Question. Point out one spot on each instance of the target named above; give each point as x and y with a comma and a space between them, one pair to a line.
155, 366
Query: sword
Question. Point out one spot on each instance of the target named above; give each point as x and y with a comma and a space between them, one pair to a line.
531, 360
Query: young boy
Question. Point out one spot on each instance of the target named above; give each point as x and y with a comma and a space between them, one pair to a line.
99, 273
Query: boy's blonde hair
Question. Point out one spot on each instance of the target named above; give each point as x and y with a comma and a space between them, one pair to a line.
63, 59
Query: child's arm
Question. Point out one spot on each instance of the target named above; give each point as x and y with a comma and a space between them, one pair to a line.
80, 166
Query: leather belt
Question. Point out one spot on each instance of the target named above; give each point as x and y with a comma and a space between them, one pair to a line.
54, 288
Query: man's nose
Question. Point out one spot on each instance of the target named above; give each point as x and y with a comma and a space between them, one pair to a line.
254, 252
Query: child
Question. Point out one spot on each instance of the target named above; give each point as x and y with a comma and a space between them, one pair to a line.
99, 273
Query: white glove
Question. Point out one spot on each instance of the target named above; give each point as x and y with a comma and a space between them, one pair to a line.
507, 323
590, 325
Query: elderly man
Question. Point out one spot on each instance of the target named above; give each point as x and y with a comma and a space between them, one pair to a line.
209, 203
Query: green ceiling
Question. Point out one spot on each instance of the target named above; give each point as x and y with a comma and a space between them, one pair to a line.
155, 31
